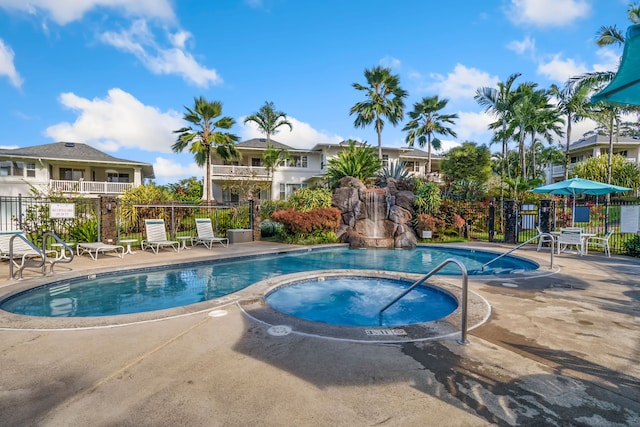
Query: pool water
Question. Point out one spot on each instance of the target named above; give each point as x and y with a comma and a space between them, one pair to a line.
356, 301
174, 286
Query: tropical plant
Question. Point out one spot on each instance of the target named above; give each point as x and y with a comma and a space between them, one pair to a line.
623, 172
608, 35
427, 198
426, 121
132, 213
572, 103
268, 120
499, 102
307, 199
204, 134
519, 186
357, 160
186, 190
272, 157
384, 100
469, 190
397, 171
467, 161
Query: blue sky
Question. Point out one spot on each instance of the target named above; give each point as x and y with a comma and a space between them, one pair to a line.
116, 74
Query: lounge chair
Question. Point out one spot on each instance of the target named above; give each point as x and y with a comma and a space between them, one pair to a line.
601, 242
206, 235
544, 238
93, 249
157, 236
21, 250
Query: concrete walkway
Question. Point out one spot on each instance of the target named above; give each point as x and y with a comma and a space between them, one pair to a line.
563, 349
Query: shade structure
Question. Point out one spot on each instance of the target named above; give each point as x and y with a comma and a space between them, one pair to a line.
574, 186
624, 89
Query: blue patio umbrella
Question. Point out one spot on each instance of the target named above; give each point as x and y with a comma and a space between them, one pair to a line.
574, 186
624, 89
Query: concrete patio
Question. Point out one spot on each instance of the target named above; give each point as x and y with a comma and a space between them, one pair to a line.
561, 349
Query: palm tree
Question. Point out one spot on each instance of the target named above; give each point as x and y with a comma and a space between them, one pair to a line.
203, 134
268, 120
357, 160
572, 103
499, 102
384, 100
272, 158
608, 35
426, 121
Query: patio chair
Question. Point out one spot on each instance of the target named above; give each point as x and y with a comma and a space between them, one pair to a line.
157, 236
544, 238
568, 238
601, 242
93, 249
206, 236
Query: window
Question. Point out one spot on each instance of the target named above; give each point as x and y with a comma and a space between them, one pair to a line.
577, 159
297, 162
9, 168
256, 161
409, 166
31, 170
117, 177
230, 196
416, 167
287, 190
622, 153
69, 174
385, 160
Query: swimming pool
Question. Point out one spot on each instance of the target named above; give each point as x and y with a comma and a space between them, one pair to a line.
165, 287
357, 300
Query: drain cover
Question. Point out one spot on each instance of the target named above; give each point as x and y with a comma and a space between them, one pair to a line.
218, 313
279, 330
509, 285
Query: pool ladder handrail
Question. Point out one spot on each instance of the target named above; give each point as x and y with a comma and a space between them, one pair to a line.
64, 247
465, 287
553, 239
41, 252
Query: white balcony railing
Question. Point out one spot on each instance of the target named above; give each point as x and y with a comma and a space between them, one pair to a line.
237, 172
90, 187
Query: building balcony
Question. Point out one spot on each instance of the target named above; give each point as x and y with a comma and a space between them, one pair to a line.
234, 172
89, 187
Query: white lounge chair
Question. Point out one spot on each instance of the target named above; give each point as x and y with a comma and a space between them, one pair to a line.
93, 249
544, 238
206, 236
157, 236
601, 242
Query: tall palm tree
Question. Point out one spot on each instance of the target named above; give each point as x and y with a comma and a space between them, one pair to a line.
384, 100
206, 132
572, 103
268, 120
498, 102
608, 35
546, 124
426, 121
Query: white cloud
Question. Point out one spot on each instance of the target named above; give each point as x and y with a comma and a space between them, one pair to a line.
66, 11
474, 127
7, 68
140, 42
560, 69
548, 13
461, 83
117, 121
609, 60
446, 145
390, 62
167, 170
8, 147
527, 45
302, 135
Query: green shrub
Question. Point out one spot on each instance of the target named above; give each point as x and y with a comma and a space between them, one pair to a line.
308, 199
319, 220
85, 231
632, 247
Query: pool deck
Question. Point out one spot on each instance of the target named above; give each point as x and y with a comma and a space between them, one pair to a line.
561, 349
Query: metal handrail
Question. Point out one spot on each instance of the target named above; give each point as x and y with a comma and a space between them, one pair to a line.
64, 247
553, 239
12, 263
465, 286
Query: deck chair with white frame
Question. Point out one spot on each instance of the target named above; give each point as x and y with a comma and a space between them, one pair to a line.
544, 238
157, 236
601, 242
21, 250
568, 238
206, 236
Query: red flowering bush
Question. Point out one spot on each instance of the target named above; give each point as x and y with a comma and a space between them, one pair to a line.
319, 220
430, 223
